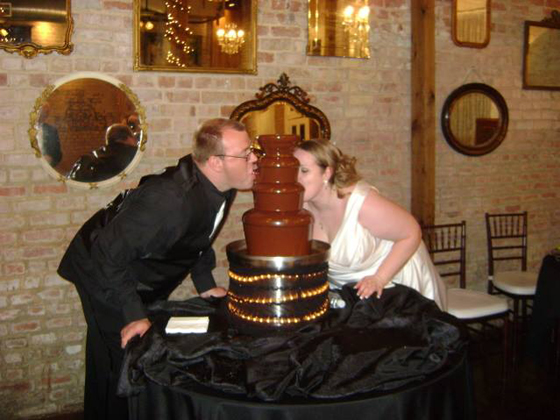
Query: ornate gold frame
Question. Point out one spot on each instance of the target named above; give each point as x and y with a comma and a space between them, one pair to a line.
251, 43
30, 50
32, 131
282, 91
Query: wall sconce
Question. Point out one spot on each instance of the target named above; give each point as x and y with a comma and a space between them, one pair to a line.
230, 39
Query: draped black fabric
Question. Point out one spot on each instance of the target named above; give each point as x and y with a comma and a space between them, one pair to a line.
375, 344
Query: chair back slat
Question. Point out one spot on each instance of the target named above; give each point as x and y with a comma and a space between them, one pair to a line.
506, 239
446, 244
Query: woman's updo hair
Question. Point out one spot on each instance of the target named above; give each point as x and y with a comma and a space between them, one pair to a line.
327, 155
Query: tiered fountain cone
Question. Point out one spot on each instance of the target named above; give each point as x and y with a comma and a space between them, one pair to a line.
278, 276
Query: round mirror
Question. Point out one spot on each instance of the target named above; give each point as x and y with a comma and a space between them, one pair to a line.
88, 129
474, 119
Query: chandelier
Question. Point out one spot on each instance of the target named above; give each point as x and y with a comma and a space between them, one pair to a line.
230, 39
355, 21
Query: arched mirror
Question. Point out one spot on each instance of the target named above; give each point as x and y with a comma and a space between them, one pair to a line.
474, 119
470, 23
88, 129
282, 109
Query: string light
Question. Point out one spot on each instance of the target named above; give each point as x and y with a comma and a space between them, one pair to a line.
278, 321
250, 279
299, 295
176, 32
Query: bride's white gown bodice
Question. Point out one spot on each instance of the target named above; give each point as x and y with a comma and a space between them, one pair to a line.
356, 253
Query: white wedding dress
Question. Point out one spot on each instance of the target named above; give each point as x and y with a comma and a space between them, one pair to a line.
356, 253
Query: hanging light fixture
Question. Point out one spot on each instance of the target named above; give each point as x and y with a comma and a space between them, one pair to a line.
230, 39
355, 21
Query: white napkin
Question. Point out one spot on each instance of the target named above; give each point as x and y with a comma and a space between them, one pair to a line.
187, 324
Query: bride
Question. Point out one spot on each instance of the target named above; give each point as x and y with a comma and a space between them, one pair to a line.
374, 242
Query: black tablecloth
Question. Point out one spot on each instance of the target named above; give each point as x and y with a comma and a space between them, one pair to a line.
394, 357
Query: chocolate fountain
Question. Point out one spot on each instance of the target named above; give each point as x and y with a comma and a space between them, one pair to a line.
278, 276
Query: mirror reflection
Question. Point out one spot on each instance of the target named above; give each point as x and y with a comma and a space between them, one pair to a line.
195, 35
280, 118
471, 23
474, 119
542, 54
338, 28
281, 108
30, 27
88, 129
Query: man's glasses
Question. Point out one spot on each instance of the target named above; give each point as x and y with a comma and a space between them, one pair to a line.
252, 150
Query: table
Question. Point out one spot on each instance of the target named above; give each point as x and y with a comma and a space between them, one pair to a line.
398, 357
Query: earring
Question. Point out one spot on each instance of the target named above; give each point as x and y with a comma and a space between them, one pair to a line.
325, 184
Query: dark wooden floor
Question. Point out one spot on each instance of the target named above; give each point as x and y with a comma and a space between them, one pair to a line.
531, 393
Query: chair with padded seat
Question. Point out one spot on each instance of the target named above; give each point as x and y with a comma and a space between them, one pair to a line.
446, 245
506, 235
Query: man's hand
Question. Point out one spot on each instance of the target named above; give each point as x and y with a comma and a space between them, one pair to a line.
217, 292
133, 329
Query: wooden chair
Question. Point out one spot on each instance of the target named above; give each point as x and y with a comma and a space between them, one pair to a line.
507, 241
446, 244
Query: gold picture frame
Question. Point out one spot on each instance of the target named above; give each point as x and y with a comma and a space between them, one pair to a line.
40, 29
541, 63
195, 36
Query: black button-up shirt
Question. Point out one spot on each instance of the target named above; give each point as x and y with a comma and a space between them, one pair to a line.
141, 246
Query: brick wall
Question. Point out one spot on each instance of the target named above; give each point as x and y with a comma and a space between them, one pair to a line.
367, 102
523, 173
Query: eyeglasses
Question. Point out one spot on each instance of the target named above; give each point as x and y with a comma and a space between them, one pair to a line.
252, 150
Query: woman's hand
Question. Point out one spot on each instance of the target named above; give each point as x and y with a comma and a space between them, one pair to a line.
133, 329
369, 285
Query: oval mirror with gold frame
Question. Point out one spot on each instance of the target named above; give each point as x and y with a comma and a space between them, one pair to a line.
88, 130
281, 108
34, 27
470, 23
474, 119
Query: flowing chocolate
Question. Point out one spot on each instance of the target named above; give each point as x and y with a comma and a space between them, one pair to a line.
278, 225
